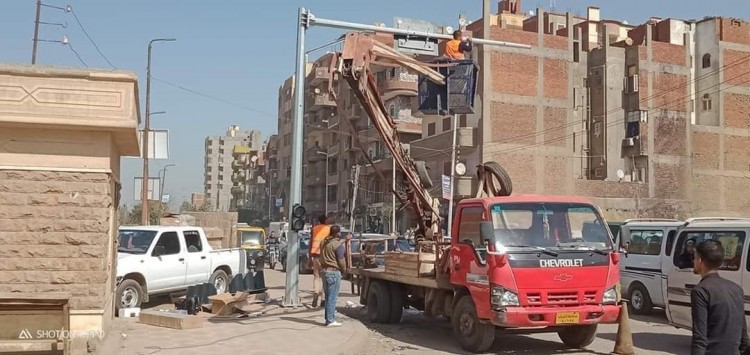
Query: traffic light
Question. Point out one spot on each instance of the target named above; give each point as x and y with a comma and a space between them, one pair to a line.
298, 218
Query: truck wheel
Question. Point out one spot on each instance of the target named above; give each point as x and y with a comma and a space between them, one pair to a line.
578, 336
502, 176
472, 334
129, 294
378, 303
397, 302
220, 280
640, 300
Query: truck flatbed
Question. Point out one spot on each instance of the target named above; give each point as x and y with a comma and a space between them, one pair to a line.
441, 282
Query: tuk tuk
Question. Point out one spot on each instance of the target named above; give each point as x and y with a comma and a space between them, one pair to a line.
253, 241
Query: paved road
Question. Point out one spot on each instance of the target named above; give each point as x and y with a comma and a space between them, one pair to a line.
417, 335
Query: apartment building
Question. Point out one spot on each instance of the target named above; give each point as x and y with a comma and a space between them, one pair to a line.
271, 175
218, 164
249, 195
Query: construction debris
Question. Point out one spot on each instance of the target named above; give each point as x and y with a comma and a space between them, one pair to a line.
241, 302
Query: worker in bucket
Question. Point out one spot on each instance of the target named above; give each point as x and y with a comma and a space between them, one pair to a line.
455, 48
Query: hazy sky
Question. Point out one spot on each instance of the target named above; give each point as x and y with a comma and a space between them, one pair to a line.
239, 52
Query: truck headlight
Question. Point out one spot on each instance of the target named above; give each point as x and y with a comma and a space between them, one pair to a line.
502, 298
610, 296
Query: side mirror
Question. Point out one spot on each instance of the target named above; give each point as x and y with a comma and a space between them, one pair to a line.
487, 233
159, 250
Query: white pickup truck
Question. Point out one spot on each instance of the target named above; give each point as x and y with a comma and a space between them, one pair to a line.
161, 259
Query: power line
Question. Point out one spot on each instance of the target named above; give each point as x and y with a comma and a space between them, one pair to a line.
77, 55
91, 39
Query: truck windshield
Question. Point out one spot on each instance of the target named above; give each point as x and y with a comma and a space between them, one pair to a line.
133, 241
250, 237
550, 225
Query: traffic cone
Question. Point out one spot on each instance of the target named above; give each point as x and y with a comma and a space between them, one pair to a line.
624, 340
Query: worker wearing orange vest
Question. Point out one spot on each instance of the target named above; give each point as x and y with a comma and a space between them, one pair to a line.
455, 48
319, 233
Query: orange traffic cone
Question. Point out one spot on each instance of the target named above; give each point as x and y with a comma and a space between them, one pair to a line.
624, 340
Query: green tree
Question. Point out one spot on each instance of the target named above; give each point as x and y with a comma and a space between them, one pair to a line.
133, 216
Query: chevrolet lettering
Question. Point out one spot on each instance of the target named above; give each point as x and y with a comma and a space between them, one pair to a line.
561, 262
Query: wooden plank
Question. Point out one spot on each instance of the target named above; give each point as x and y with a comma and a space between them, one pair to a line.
170, 320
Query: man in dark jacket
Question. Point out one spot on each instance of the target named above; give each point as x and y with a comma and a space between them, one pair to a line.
719, 325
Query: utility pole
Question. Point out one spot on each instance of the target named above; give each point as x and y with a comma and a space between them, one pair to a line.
270, 194
163, 178
453, 174
146, 128
36, 30
354, 197
328, 157
393, 197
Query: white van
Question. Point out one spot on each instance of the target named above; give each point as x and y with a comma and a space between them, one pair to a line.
733, 233
645, 242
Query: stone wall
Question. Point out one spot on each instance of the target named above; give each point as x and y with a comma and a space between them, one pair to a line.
56, 235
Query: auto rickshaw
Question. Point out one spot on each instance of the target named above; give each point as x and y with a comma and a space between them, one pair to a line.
253, 241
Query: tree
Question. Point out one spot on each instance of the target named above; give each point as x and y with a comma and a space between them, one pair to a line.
188, 207
133, 216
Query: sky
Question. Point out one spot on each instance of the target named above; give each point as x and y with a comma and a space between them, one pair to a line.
238, 53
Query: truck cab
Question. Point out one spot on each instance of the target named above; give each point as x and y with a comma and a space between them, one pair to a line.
536, 261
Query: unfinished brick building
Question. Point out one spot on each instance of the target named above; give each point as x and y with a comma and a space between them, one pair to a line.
650, 120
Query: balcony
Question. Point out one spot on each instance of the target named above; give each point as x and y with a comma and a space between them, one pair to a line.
402, 84
466, 140
318, 76
320, 101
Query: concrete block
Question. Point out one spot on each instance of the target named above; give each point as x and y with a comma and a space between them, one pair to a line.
170, 319
129, 312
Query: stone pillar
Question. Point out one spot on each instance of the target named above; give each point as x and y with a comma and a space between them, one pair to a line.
62, 133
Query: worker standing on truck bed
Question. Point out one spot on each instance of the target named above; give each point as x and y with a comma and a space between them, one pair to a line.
455, 48
333, 265
319, 232
719, 325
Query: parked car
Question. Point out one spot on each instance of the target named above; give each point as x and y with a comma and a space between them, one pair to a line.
304, 249
155, 260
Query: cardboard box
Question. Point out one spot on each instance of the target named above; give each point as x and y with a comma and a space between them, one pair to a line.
170, 319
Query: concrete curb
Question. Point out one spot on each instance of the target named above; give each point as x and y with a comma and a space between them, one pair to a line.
359, 340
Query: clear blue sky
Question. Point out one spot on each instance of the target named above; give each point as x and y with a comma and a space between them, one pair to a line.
241, 51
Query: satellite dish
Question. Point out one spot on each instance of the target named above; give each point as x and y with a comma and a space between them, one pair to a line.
531, 13
624, 22
317, 90
254, 158
460, 169
462, 22
449, 29
620, 174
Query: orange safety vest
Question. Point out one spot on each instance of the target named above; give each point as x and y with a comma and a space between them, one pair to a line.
453, 50
319, 232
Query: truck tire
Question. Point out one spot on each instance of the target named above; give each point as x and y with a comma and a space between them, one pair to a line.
506, 185
472, 334
640, 300
220, 280
378, 303
578, 336
424, 174
129, 294
397, 302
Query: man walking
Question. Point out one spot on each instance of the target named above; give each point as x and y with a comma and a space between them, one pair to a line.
333, 265
319, 233
719, 325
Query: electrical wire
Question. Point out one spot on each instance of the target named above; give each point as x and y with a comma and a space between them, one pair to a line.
69, 45
91, 39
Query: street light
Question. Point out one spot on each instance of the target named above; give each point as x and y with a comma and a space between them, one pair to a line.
146, 128
325, 154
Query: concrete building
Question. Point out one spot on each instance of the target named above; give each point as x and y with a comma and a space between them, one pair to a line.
218, 164
62, 133
248, 183
197, 200
273, 187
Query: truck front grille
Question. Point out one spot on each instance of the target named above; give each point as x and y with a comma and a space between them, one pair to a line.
560, 298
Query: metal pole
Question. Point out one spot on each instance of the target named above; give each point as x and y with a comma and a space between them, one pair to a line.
354, 198
291, 298
485, 127
36, 30
314, 21
164, 179
453, 174
270, 194
327, 158
393, 196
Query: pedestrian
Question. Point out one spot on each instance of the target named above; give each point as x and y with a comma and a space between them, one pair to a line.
455, 48
318, 234
718, 310
333, 265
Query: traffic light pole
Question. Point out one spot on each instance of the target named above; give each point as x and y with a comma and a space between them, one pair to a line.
306, 20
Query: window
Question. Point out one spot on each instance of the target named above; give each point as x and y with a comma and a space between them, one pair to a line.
462, 121
170, 242
332, 195
193, 241
706, 60
707, 104
447, 124
468, 229
731, 241
645, 242
431, 129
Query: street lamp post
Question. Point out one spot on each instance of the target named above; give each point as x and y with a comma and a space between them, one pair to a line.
328, 156
146, 127
163, 178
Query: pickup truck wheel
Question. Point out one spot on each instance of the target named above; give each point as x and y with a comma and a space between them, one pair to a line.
578, 336
129, 294
397, 302
378, 303
220, 280
472, 334
640, 301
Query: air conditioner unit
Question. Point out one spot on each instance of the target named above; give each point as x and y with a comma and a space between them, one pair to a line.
628, 142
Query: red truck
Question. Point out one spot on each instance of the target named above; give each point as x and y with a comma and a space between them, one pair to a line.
517, 262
